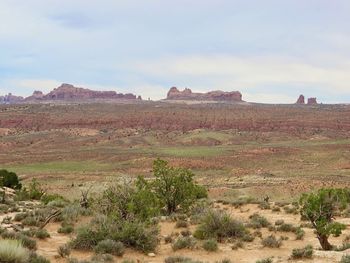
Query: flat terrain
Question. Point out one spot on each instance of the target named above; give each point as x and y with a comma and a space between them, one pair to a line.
234, 149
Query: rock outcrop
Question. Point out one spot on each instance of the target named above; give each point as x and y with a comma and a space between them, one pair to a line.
312, 101
68, 92
301, 100
187, 94
37, 95
9, 98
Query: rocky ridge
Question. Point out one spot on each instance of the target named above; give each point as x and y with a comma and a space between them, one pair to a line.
187, 94
68, 92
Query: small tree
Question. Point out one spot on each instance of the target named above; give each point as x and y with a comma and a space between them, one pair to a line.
320, 208
9, 179
175, 186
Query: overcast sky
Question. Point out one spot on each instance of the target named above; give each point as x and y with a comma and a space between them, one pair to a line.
270, 50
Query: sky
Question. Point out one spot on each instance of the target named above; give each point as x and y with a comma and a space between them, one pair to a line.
271, 51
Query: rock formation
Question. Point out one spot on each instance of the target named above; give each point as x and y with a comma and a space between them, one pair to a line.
187, 94
301, 100
68, 92
312, 101
9, 98
37, 95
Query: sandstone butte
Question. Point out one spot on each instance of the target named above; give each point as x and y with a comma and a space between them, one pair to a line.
70, 93
187, 94
310, 101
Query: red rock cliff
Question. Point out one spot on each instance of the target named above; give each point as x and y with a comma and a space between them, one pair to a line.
187, 94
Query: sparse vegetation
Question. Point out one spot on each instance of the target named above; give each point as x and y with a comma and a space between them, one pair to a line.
258, 221
108, 246
219, 225
300, 253
64, 251
210, 245
12, 251
265, 260
271, 242
184, 242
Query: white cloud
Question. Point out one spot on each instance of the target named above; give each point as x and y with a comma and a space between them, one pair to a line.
269, 98
233, 72
29, 85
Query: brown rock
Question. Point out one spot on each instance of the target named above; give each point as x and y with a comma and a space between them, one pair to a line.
187, 94
37, 95
9, 98
301, 100
312, 101
70, 92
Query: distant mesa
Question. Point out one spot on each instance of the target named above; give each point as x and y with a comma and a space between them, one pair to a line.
187, 94
310, 101
9, 98
68, 92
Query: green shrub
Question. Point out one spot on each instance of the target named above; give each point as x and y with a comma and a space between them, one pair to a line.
219, 225
134, 234
291, 210
186, 233
138, 235
237, 245
276, 209
265, 260
271, 242
343, 247
30, 221
34, 258
345, 259
264, 206
225, 260
210, 245
102, 258
9, 179
42, 234
34, 192
64, 251
181, 224
12, 251
258, 221
109, 246
65, 228
279, 222
26, 241
130, 200
286, 228
299, 253
47, 198
184, 242
299, 233
20, 216
248, 237
179, 259
87, 238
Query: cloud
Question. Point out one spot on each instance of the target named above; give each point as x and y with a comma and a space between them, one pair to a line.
27, 86
251, 74
145, 47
